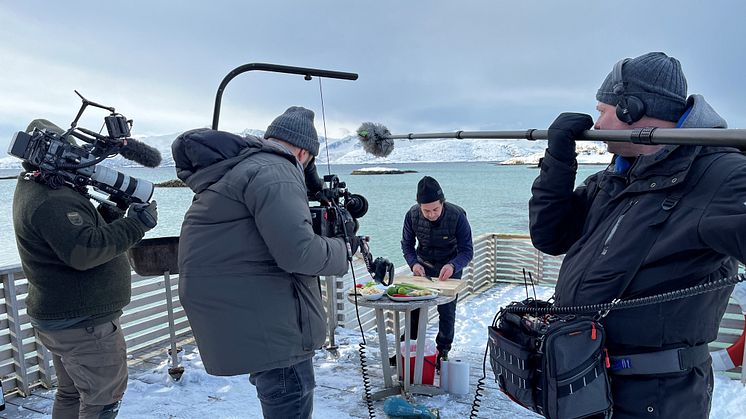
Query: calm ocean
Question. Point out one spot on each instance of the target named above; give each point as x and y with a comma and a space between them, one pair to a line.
495, 198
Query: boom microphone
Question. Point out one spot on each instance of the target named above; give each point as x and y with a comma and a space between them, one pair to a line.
376, 139
140, 153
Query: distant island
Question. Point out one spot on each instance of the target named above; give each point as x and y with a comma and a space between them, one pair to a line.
175, 183
381, 171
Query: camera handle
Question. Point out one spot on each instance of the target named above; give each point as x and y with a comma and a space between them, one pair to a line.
378, 269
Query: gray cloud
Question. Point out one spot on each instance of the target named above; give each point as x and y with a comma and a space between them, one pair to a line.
423, 66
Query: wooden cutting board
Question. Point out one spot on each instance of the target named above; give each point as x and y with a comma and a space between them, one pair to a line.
447, 287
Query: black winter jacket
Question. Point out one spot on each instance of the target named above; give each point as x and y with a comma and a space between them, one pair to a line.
675, 219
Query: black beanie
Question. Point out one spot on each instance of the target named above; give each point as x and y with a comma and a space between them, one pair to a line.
428, 190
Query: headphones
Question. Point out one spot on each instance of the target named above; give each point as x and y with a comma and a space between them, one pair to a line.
629, 109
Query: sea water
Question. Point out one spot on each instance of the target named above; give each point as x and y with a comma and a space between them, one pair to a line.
494, 196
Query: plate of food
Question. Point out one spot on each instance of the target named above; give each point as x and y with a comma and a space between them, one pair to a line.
410, 292
370, 291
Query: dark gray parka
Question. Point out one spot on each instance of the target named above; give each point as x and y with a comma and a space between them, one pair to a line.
623, 239
248, 257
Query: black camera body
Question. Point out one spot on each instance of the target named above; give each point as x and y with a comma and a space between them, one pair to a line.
61, 162
329, 222
338, 208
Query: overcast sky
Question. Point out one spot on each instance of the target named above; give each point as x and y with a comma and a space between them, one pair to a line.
423, 66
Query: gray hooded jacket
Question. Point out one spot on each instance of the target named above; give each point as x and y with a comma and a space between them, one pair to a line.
674, 219
248, 257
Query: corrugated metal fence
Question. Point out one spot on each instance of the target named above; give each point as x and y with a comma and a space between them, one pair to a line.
24, 363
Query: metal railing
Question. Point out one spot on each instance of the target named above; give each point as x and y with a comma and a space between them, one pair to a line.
25, 363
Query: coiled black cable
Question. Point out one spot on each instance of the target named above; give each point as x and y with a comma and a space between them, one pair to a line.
361, 350
633, 303
479, 392
366, 381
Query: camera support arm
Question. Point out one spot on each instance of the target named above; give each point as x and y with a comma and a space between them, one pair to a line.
306, 72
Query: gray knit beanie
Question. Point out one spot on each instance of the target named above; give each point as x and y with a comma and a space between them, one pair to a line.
654, 78
295, 126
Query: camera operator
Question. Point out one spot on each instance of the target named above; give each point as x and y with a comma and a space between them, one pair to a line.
79, 281
249, 258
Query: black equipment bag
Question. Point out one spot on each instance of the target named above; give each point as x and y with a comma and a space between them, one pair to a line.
554, 365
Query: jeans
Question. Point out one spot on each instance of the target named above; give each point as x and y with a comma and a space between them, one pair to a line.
286, 393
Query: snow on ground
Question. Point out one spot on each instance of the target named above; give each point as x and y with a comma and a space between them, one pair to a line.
152, 394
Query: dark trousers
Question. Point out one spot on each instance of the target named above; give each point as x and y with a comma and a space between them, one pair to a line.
687, 395
286, 393
446, 323
91, 366
446, 315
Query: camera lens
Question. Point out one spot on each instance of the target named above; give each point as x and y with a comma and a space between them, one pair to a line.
139, 189
357, 205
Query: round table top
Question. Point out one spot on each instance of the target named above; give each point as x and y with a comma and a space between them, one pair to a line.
389, 304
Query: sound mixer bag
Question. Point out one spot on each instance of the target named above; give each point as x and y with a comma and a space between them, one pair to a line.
554, 365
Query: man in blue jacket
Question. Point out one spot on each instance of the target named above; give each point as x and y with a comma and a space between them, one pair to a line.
657, 219
444, 248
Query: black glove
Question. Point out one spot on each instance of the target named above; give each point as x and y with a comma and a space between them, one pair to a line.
314, 184
563, 132
146, 214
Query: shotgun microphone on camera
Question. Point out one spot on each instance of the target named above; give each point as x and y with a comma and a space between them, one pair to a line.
140, 153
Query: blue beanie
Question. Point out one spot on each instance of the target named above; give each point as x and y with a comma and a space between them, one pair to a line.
654, 78
295, 126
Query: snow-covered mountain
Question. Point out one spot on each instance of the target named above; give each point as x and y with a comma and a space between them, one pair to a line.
348, 150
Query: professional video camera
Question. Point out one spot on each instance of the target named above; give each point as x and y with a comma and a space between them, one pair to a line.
338, 207
59, 162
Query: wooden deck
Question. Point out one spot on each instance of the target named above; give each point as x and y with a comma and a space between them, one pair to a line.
39, 403
338, 378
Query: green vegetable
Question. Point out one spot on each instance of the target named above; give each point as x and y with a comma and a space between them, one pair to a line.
412, 286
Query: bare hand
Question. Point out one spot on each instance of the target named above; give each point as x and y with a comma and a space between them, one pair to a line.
445, 272
418, 270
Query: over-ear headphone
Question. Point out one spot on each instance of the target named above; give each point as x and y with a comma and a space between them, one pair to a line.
629, 109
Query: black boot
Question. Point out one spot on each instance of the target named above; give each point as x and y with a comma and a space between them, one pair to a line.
442, 356
392, 360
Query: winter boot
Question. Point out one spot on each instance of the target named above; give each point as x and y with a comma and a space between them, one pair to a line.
442, 356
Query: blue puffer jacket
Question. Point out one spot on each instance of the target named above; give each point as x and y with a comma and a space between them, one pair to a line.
623, 239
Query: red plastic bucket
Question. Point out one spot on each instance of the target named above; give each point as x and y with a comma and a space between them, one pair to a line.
428, 367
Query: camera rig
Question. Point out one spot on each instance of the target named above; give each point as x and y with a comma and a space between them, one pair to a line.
58, 161
338, 207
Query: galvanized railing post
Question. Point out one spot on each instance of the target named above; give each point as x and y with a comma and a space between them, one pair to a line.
331, 308
16, 339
